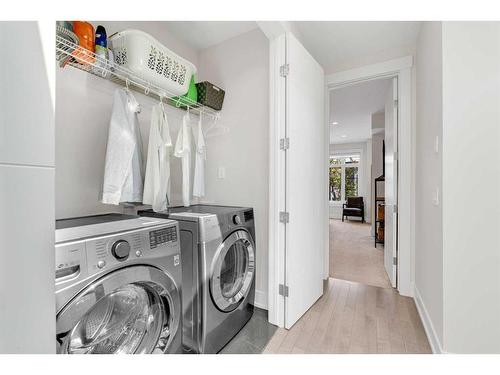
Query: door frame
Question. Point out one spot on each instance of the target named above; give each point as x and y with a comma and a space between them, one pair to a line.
276, 240
402, 69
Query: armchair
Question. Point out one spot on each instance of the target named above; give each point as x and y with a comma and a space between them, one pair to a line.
354, 207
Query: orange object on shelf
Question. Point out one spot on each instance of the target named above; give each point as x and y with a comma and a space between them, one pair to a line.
84, 54
380, 234
381, 212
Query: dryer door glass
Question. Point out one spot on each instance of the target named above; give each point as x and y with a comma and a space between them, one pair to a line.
116, 316
233, 271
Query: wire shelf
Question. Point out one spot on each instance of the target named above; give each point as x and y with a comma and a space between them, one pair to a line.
68, 52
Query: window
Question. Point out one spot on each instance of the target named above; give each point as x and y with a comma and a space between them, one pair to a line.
344, 176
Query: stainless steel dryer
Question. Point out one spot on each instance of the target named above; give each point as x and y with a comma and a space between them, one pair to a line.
118, 285
218, 252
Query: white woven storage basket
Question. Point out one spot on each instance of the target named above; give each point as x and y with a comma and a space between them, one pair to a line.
144, 56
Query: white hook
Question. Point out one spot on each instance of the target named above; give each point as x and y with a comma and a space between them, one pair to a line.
126, 83
146, 91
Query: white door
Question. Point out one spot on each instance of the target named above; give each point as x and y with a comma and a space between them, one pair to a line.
391, 182
305, 181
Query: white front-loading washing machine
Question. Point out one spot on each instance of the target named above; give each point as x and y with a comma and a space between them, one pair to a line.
118, 285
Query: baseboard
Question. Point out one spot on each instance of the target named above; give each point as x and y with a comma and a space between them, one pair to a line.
428, 326
260, 299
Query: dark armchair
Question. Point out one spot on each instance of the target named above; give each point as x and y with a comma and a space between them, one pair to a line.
354, 207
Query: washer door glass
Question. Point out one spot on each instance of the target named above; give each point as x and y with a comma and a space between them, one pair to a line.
118, 322
233, 271
133, 310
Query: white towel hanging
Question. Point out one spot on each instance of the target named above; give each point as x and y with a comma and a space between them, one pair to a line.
123, 165
200, 157
183, 151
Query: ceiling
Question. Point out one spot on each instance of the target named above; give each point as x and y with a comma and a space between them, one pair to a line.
352, 108
204, 34
337, 44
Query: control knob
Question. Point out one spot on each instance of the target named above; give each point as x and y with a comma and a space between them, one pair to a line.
120, 249
236, 220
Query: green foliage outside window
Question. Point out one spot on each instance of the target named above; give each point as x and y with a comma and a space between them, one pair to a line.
343, 168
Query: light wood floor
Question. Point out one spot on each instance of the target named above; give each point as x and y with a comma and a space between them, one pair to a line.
352, 317
353, 255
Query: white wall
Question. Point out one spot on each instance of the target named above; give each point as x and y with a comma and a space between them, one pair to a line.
241, 67
471, 135
428, 231
363, 175
83, 111
457, 259
27, 305
393, 53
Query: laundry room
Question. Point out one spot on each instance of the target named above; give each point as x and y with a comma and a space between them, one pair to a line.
110, 114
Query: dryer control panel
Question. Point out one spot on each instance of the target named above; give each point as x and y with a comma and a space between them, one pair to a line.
162, 236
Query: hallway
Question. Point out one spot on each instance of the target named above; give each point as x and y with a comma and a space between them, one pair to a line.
359, 311
354, 318
353, 256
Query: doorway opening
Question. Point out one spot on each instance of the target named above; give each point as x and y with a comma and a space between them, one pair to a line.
357, 186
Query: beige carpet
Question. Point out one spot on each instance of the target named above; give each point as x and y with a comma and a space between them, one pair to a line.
353, 256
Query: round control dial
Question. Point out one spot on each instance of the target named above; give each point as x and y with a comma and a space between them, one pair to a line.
120, 249
236, 220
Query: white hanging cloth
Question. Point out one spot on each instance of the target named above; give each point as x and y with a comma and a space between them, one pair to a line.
157, 181
183, 151
123, 165
199, 162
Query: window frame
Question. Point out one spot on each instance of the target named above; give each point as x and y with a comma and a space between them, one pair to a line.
343, 166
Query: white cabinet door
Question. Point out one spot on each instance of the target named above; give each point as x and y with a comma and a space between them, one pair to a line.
306, 193
26, 113
27, 295
391, 182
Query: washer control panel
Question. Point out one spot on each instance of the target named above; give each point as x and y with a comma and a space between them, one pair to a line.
108, 251
77, 260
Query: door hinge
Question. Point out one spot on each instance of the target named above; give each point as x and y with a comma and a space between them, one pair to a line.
284, 144
284, 70
395, 261
284, 217
395, 208
395, 102
283, 290
396, 156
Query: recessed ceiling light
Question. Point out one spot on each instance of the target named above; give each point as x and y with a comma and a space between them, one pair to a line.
343, 136
335, 123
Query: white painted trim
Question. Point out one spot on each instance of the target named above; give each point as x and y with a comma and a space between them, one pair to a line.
326, 218
427, 323
400, 68
276, 122
406, 168
368, 72
260, 299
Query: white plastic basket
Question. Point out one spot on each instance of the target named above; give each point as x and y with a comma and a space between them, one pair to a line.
144, 56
